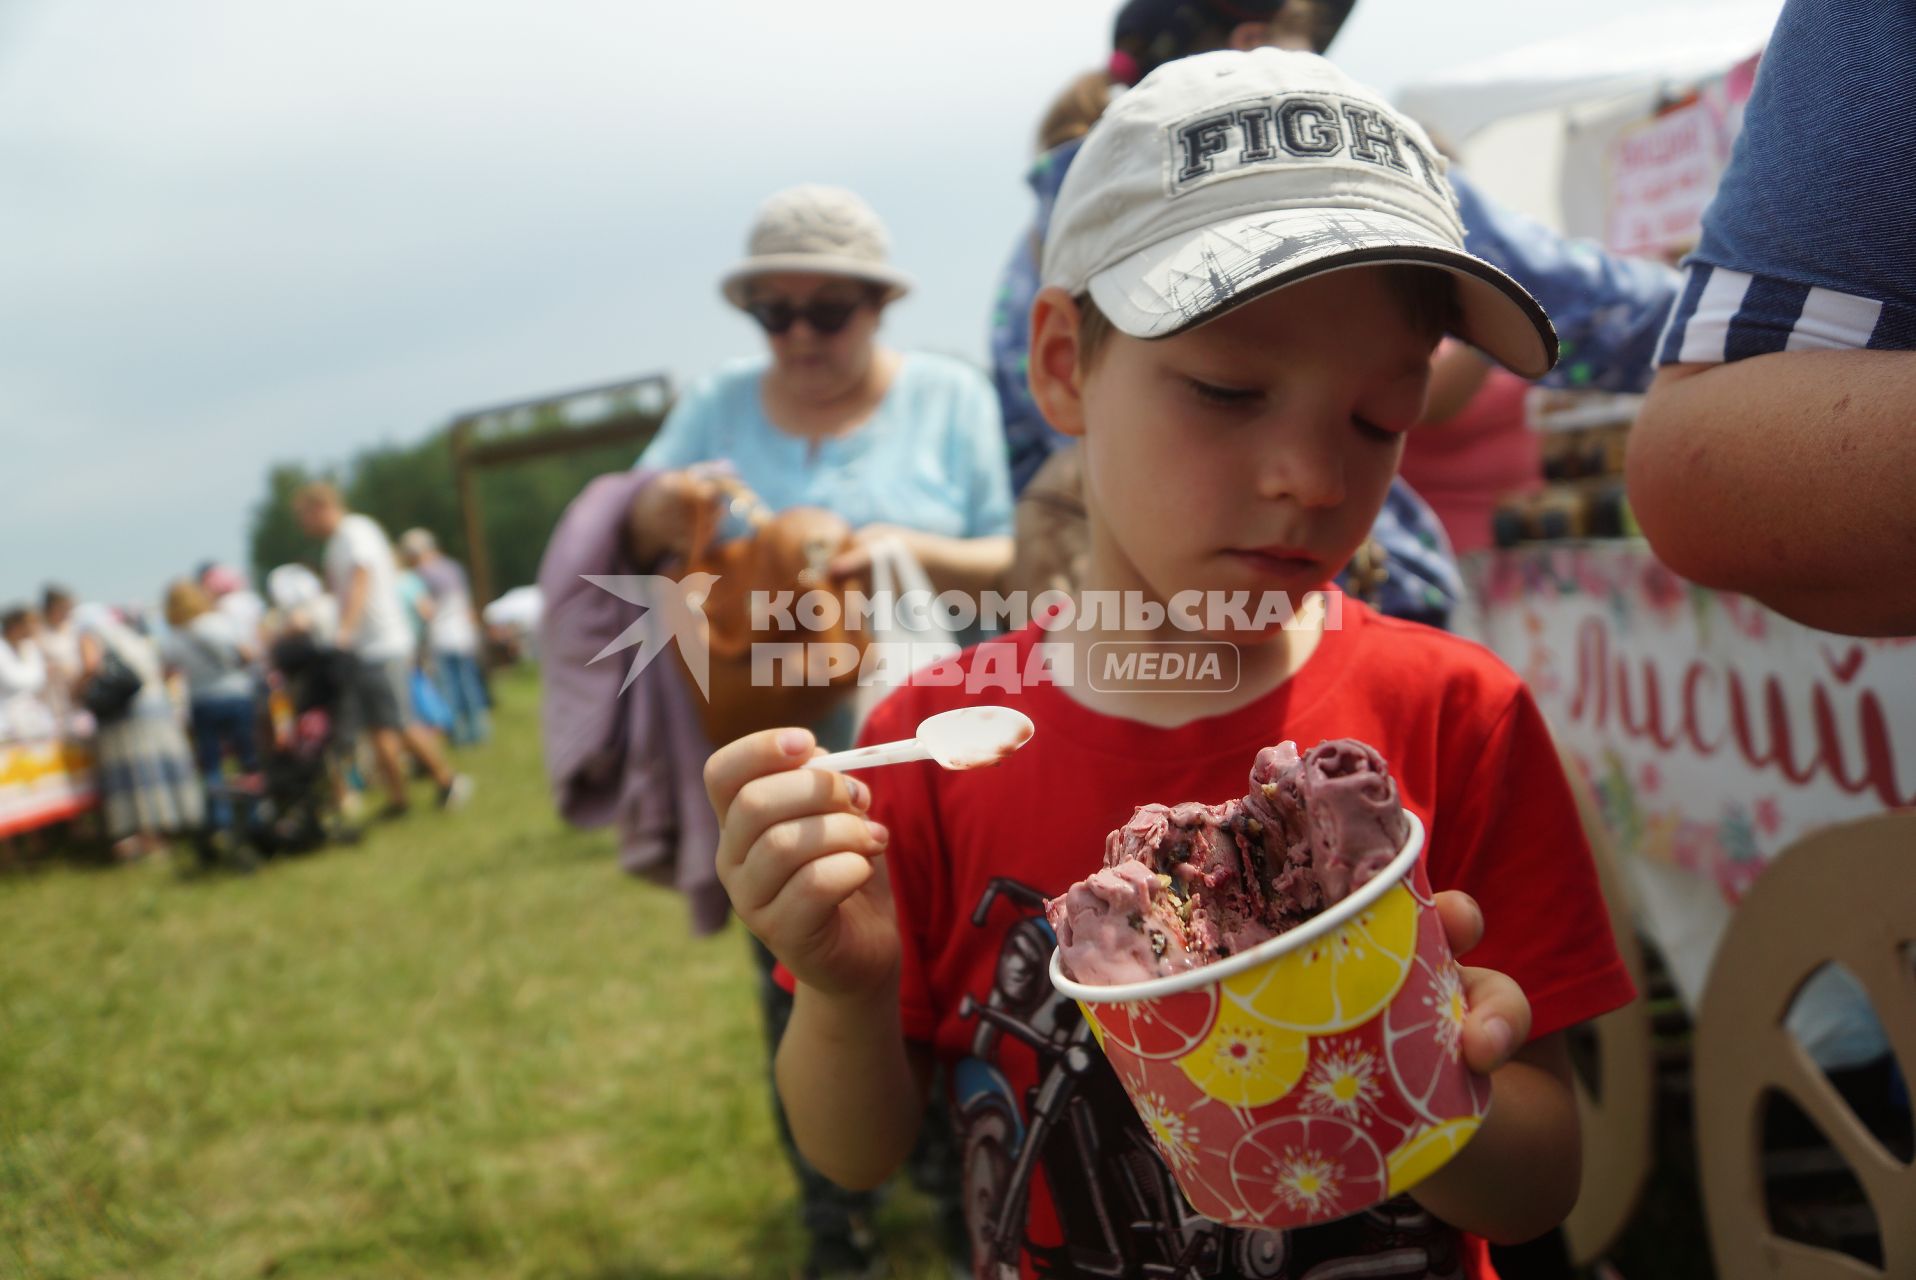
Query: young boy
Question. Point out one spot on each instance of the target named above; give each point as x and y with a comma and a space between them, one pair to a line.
1248, 270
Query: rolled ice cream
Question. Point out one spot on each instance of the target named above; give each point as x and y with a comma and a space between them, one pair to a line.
1184, 885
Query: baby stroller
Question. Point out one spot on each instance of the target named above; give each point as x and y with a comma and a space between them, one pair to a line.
290, 805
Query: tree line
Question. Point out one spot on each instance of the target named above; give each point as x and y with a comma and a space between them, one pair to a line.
404, 486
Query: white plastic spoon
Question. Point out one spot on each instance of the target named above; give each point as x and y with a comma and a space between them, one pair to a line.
966, 738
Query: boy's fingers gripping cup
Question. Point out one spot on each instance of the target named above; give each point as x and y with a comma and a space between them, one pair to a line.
1317, 1071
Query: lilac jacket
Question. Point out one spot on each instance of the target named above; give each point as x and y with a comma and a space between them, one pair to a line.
634, 760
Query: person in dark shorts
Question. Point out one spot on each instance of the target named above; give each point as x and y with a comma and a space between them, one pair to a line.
376, 644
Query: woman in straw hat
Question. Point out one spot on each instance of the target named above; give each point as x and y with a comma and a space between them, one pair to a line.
902, 445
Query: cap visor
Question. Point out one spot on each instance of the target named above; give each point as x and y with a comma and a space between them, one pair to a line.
1180, 283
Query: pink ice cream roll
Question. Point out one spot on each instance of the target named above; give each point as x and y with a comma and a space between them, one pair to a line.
1120, 924
1355, 818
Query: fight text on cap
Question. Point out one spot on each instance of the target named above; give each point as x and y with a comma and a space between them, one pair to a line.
1292, 129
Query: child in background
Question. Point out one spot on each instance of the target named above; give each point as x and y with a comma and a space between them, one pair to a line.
1248, 270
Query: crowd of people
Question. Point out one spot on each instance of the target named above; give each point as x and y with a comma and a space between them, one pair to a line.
234, 721
1261, 333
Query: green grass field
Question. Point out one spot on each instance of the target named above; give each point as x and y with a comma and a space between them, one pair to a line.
468, 1047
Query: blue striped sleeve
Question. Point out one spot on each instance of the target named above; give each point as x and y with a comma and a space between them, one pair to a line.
1724, 315
1677, 328
1764, 321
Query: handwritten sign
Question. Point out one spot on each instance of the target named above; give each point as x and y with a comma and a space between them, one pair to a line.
1714, 732
1664, 170
1662, 175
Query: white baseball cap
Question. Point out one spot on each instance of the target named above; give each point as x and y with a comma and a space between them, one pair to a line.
1224, 176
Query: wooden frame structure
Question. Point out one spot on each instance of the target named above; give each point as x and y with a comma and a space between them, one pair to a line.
1830, 897
626, 412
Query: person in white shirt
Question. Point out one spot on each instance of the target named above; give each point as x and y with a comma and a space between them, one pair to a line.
23, 678
363, 576
227, 588
208, 650
60, 642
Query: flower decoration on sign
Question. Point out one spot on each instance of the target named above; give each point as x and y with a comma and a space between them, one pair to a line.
1769, 817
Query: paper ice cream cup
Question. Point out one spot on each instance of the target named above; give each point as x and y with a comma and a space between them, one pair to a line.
1313, 1076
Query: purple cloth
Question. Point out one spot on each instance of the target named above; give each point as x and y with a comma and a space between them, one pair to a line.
634, 760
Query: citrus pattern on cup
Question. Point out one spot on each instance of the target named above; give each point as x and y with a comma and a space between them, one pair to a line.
1341, 979
1246, 1061
1307, 1169
1160, 1028
1428, 1152
1423, 1035
1347, 1080
1317, 1082
1176, 1133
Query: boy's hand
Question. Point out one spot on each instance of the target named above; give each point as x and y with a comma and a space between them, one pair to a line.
796, 856
1498, 1023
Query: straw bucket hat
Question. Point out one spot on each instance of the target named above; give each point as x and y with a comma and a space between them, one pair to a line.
822, 230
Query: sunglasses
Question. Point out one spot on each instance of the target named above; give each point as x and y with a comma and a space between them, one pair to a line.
825, 316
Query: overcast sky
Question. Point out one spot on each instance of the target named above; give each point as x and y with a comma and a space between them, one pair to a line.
235, 233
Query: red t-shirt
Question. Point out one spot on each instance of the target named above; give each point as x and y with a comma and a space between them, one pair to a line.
1060, 1175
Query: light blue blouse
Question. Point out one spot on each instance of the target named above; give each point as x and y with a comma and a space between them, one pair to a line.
931, 458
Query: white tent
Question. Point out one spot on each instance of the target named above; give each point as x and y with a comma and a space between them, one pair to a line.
1633, 55
518, 611
1522, 118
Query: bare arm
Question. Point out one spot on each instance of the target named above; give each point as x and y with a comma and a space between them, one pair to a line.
354, 604
659, 523
854, 1089
1787, 477
964, 564
1519, 1176
802, 866
953, 564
